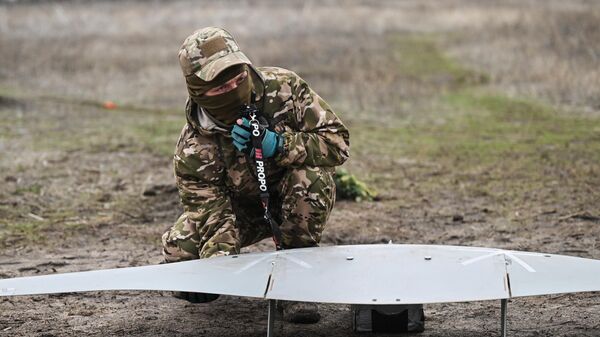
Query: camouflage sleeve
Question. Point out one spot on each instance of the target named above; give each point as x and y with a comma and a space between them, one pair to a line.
204, 200
320, 138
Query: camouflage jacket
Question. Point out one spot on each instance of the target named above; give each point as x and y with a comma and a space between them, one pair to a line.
209, 170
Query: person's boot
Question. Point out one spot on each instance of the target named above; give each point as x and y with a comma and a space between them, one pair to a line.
195, 297
299, 312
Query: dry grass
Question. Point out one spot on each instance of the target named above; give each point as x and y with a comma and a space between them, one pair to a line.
549, 51
127, 52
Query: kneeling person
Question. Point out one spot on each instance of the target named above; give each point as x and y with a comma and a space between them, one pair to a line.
303, 142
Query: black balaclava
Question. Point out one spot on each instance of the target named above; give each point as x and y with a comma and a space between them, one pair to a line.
224, 107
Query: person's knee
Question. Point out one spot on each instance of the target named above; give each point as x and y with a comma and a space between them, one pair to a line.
311, 184
308, 200
181, 241
213, 249
224, 242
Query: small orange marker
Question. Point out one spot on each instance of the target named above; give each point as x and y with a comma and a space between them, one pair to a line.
109, 105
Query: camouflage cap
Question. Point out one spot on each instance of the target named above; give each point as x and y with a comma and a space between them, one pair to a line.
208, 51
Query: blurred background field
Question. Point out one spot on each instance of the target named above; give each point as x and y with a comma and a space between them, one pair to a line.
477, 122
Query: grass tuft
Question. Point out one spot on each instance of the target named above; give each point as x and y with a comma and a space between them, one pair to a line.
27, 231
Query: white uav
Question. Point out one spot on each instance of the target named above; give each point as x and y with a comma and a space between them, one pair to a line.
363, 274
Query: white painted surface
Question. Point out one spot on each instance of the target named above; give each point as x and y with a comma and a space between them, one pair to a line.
387, 274
362, 274
245, 275
552, 274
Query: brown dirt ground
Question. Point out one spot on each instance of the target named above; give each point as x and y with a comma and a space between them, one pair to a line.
85, 188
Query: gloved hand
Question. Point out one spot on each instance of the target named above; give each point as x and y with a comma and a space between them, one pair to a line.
242, 139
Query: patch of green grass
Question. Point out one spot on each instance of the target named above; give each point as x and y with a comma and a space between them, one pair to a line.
159, 136
520, 145
472, 128
491, 128
112, 131
482, 129
28, 231
500, 107
70, 124
29, 189
419, 57
9, 92
74, 226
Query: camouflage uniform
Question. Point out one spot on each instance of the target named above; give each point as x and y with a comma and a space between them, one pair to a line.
218, 187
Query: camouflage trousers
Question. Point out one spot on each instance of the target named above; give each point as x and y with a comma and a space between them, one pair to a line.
300, 204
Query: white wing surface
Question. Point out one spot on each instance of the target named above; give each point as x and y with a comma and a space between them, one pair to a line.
551, 274
244, 275
363, 274
387, 274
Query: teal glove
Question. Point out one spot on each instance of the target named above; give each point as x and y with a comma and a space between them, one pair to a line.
242, 139
241, 135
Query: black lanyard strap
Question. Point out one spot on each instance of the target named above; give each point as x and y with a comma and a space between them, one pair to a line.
257, 131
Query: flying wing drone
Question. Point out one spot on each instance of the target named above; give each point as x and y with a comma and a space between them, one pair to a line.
363, 275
